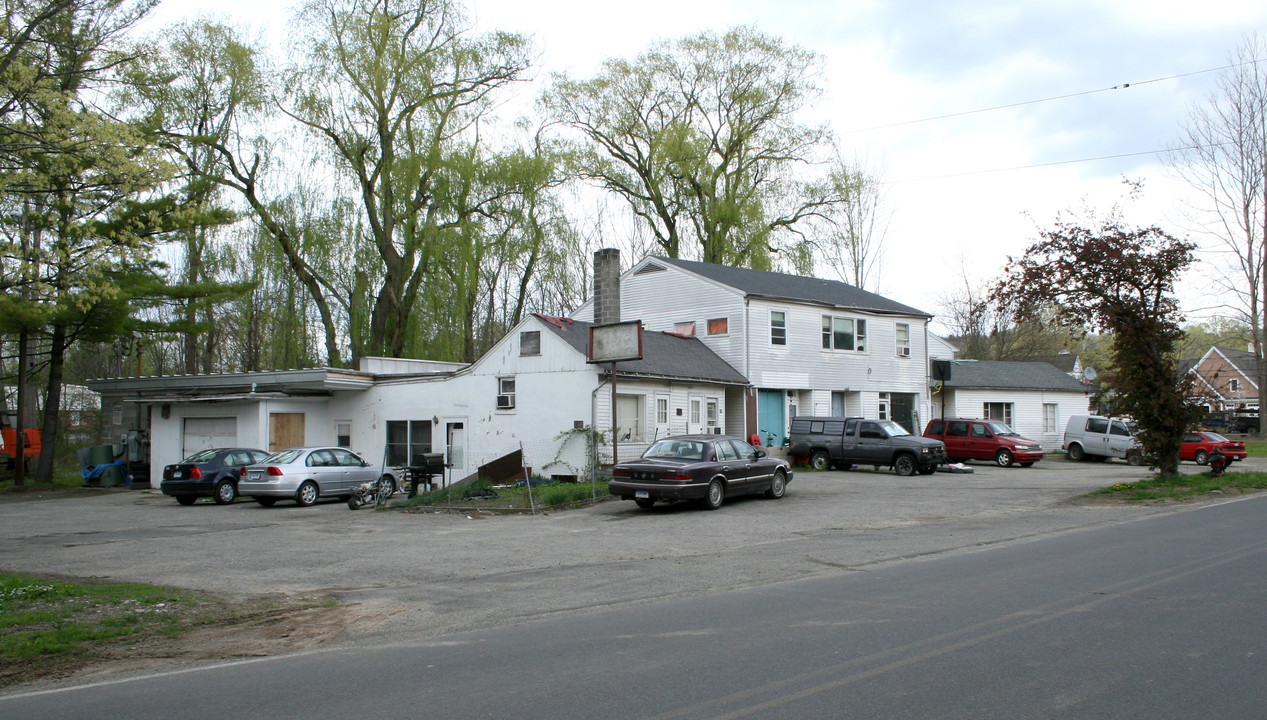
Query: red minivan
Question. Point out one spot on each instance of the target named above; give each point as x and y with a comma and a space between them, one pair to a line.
972, 439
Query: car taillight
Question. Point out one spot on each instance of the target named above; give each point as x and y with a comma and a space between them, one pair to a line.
195, 473
676, 475
274, 471
621, 472
242, 472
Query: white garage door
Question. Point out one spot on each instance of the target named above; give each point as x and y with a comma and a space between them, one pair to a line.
206, 433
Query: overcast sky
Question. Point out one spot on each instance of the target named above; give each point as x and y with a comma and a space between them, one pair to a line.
966, 190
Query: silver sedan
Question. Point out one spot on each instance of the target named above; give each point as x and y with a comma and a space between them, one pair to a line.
307, 473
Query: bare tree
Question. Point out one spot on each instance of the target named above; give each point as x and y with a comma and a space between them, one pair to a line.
852, 242
1223, 154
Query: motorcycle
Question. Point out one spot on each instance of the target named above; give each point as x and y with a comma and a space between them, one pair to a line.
371, 494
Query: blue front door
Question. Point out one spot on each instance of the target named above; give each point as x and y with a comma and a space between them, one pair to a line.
771, 420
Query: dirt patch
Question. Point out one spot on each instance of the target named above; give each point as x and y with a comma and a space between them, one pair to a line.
279, 625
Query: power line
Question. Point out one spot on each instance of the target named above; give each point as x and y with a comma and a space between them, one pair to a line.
1123, 86
1037, 165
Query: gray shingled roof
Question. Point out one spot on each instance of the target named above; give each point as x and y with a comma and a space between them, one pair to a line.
664, 355
779, 286
1244, 360
1011, 375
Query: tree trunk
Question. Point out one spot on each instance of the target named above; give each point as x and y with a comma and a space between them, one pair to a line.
52, 404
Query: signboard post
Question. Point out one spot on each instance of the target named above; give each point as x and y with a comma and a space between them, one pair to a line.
611, 344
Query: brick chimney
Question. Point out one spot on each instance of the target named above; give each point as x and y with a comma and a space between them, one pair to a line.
606, 286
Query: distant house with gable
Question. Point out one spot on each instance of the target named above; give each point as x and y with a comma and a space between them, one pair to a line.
1035, 398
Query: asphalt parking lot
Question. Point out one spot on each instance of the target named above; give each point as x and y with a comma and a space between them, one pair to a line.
434, 572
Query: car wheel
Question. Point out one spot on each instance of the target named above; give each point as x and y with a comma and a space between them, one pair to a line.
644, 502
716, 494
307, 493
778, 486
905, 465
266, 501
186, 499
1075, 453
820, 460
226, 492
1135, 458
386, 487
1202, 457
927, 469
1003, 457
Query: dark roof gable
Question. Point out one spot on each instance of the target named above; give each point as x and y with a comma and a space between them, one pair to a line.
664, 354
1011, 375
780, 286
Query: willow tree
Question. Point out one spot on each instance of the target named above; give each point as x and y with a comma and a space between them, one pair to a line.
395, 92
703, 139
1118, 279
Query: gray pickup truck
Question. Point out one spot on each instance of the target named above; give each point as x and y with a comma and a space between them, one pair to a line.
847, 441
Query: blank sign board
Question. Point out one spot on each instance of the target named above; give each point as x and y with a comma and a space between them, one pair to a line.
616, 342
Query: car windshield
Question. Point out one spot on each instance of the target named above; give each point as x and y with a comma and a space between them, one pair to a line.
893, 429
1215, 437
999, 428
201, 456
282, 457
670, 448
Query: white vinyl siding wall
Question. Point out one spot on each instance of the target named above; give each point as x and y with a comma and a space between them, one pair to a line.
1027, 410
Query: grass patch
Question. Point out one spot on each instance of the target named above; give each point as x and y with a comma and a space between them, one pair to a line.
1184, 487
550, 494
41, 617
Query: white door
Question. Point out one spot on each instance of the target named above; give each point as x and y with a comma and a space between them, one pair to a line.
694, 415
207, 433
457, 446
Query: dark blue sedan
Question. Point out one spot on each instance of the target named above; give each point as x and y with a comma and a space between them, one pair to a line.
209, 473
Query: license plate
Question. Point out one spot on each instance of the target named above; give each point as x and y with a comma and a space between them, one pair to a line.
176, 475
254, 474
642, 494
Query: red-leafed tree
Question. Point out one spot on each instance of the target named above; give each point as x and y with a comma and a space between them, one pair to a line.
1119, 279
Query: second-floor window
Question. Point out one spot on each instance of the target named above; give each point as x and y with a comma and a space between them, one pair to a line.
506, 393
1234, 385
718, 326
844, 333
685, 328
903, 340
778, 327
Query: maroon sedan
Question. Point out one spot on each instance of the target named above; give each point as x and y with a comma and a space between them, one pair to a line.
706, 468
1198, 446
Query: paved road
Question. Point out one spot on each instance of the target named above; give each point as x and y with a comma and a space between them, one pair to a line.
1164, 617
431, 573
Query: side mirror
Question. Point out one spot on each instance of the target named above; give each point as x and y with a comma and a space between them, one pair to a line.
759, 454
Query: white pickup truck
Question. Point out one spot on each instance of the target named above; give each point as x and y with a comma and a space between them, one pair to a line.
1094, 437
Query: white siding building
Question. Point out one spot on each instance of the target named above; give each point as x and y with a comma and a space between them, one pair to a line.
1035, 398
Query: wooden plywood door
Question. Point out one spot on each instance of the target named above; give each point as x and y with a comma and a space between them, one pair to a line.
285, 430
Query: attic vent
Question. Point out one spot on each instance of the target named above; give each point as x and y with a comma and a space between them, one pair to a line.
649, 268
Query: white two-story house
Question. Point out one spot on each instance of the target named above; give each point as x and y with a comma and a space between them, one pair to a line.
806, 345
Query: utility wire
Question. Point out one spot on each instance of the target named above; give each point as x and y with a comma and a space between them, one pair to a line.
1123, 86
1039, 165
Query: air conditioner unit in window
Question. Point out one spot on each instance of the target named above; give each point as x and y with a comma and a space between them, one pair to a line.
505, 402
906, 352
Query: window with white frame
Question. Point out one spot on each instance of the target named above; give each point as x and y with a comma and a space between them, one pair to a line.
882, 411
778, 327
997, 411
718, 326
685, 328
1050, 418
844, 333
1234, 385
629, 418
903, 340
506, 393
710, 412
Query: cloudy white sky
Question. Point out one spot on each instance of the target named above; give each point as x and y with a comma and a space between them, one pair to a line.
966, 190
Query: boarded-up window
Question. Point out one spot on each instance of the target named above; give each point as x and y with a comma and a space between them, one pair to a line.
717, 326
285, 430
530, 342
685, 328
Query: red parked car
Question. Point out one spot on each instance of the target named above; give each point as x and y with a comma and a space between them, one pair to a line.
1197, 447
